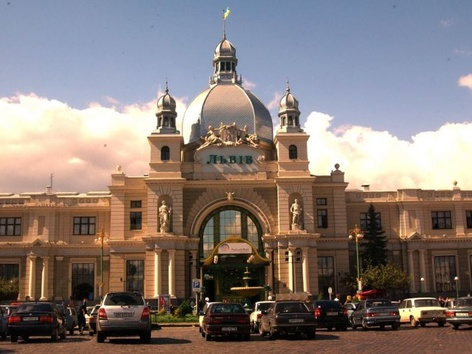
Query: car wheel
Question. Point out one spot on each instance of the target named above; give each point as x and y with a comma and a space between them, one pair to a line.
272, 333
54, 335
208, 337
310, 334
364, 324
414, 322
395, 326
101, 337
455, 326
145, 337
261, 331
63, 334
441, 323
329, 328
247, 337
71, 331
13, 338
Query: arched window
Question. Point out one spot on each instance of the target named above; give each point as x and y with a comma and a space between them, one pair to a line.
292, 152
229, 221
165, 153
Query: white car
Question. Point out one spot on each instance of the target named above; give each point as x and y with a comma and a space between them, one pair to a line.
422, 310
255, 317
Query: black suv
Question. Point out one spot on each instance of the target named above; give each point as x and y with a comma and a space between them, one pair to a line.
330, 314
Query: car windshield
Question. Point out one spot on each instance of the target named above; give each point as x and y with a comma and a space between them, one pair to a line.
123, 299
34, 308
464, 302
291, 307
264, 306
227, 308
426, 302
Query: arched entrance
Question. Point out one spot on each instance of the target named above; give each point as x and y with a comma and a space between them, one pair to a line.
230, 245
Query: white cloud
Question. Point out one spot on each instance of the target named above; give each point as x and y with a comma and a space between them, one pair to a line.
81, 148
432, 160
465, 81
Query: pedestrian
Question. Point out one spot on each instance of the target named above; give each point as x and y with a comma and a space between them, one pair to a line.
81, 316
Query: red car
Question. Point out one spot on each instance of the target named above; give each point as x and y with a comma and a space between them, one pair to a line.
226, 320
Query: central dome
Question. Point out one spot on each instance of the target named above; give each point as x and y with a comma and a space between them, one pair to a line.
226, 101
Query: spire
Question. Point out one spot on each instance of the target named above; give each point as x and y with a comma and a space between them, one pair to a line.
166, 113
288, 112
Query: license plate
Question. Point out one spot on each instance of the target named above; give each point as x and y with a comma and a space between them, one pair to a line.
229, 329
296, 320
124, 314
462, 314
331, 313
30, 319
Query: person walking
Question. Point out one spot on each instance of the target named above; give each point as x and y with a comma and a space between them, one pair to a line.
81, 316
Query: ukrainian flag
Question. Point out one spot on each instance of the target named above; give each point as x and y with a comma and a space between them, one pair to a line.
226, 13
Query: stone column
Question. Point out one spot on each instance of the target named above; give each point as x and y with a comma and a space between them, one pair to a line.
411, 271
291, 270
270, 268
171, 272
305, 269
31, 277
44, 279
157, 272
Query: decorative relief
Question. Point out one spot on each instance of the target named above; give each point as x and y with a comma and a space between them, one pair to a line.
229, 135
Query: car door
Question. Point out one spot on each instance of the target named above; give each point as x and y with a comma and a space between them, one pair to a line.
405, 310
357, 313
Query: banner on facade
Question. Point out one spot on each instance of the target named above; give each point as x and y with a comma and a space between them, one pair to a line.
234, 248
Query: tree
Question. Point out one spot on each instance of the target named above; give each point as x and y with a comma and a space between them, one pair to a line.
374, 245
387, 278
8, 289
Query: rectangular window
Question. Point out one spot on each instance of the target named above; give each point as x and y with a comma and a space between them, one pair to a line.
321, 201
364, 222
135, 275
135, 204
445, 272
441, 220
322, 217
468, 219
9, 271
136, 220
10, 226
325, 274
84, 225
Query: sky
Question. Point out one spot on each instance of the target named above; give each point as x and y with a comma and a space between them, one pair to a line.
384, 87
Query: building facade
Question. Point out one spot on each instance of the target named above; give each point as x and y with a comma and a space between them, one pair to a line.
232, 203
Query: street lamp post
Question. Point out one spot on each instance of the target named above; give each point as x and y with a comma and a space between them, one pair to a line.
101, 238
422, 284
456, 278
357, 234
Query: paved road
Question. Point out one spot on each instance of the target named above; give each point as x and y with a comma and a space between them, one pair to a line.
187, 340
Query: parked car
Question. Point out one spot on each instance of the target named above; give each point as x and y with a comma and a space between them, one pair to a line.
287, 317
349, 307
461, 313
92, 320
422, 310
375, 313
71, 317
37, 319
255, 316
227, 320
123, 314
330, 314
201, 316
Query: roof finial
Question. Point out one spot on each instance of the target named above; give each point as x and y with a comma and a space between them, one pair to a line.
167, 86
288, 86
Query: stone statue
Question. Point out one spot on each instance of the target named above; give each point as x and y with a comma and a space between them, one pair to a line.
164, 216
296, 211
